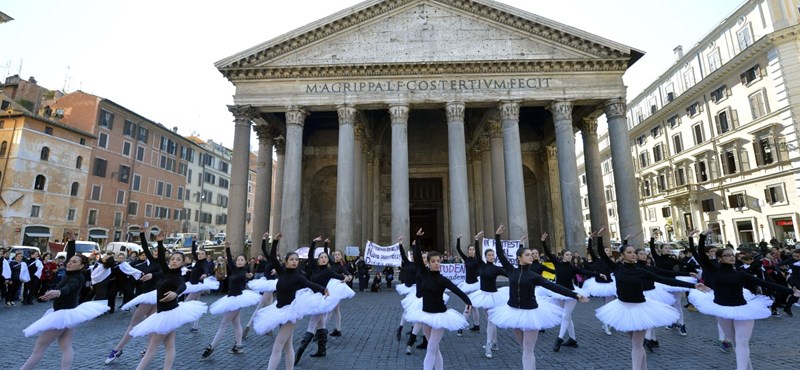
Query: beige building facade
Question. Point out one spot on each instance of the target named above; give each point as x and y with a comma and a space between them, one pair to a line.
450, 115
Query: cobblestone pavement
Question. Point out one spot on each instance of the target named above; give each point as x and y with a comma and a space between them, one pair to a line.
369, 324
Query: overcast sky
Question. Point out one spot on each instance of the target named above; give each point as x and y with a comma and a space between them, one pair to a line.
157, 57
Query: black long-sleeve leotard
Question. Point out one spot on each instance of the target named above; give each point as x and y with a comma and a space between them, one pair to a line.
432, 286
268, 268
151, 266
201, 267
289, 280
630, 278
408, 271
599, 266
70, 286
322, 274
565, 271
237, 276
171, 281
471, 264
523, 281
488, 273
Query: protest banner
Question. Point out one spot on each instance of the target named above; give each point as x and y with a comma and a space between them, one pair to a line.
382, 256
456, 272
510, 248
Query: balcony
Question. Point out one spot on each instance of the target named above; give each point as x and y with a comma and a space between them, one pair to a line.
682, 191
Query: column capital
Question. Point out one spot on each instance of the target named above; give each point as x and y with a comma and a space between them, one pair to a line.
360, 131
483, 143
399, 113
243, 114
347, 114
280, 145
455, 111
473, 154
561, 110
509, 110
552, 151
495, 128
296, 115
263, 132
615, 108
589, 126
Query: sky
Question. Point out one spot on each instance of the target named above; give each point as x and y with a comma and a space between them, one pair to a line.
157, 57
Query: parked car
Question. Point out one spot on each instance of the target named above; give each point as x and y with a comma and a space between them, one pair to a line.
123, 247
26, 250
83, 247
750, 247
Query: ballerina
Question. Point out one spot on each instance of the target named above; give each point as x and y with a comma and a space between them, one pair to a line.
489, 296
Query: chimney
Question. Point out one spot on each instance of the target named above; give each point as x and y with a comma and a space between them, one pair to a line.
175, 129
678, 51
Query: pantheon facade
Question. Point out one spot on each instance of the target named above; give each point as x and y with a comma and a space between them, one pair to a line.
450, 115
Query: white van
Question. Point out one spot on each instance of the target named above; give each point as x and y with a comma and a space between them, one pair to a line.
123, 247
83, 247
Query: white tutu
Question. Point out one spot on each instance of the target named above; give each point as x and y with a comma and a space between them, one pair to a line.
546, 316
67, 318
233, 303
450, 319
262, 285
144, 298
595, 289
271, 317
402, 289
412, 299
659, 295
469, 288
205, 285
756, 308
338, 290
675, 289
555, 296
166, 321
306, 302
488, 300
625, 316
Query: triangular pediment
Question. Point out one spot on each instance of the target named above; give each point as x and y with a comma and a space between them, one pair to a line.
408, 32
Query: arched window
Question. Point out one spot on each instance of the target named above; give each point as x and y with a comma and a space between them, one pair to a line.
40, 182
79, 162
74, 191
3, 148
45, 154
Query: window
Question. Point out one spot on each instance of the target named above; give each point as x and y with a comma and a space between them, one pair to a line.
3, 148
73, 191
180, 192
702, 172
48, 130
117, 219
666, 212
129, 129
662, 183
126, 149
688, 78
222, 201
680, 176
71, 214
583, 179
222, 219
677, 143
124, 173
736, 200
96, 192
606, 169
587, 217
611, 212
693, 109
644, 159
106, 119
120, 196
762, 147
169, 191
651, 214
728, 158
697, 132
585, 201
223, 166
40, 182
207, 196
774, 194
92, 217
79, 162
100, 167
35, 211
144, 134
223, 183
45, 154
714, 61
658, 153
102, 140
641, 140
758, 105
751, 75
609, 195
744, 37
140, 153
673, 121
148, 210
726, 120
160, 188
83, 141
719, 94
656, 131
210, 178
708, 205
137, 182
646, 188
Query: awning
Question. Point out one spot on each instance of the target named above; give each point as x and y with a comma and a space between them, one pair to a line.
38, 235
98, 234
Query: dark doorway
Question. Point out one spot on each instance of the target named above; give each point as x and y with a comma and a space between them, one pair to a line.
426, 219
427, 211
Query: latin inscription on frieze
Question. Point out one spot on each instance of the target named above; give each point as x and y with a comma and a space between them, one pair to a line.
428, 85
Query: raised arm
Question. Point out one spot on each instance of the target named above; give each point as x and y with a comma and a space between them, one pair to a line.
458, 249
591, 250
653, 251
478, 252
601, 252
501, 254
548, 253
417, 250
146, 247
403, 255
312, 255
702, 256
70, 245
264, 248
194, 249
273, 255
231, 261
162, 254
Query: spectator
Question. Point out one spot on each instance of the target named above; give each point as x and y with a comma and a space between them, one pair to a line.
221, 273
388, 272
261, 265
376, 283
363, 273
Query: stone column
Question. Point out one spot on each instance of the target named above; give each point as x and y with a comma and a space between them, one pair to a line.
263, 203
240, 167
375, 193
457, 157
277, 202
498, 175
568, 175
594, 176
515, 182
630, 220
486, 182
555, 223
476, 190
400, 199
358, 184
369, 199
345, 166
292, 178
